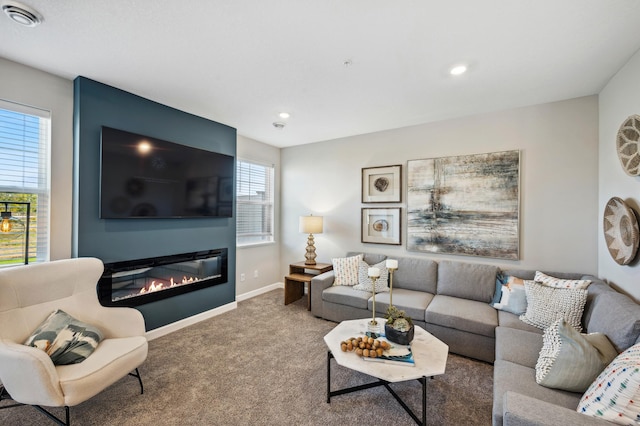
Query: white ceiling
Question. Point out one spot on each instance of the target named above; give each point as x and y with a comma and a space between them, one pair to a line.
241, 62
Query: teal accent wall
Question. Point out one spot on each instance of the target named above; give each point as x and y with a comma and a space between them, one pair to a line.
97, 105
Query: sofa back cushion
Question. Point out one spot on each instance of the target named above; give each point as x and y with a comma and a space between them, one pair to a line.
467, 280
615, 315
416, 274
370, 258
529, 274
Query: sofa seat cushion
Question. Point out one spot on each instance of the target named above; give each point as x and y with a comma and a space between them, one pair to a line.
507, 319
462, 314
518, 346
509, 376
345, 295
412, 302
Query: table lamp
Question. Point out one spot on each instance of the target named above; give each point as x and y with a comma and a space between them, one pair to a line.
310, 225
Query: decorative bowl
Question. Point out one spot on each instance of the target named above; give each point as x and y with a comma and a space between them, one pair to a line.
399, 337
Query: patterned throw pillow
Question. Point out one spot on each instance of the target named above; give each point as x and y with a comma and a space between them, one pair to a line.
571, 361
550, 281
545, 305
614, 395
510, 295
364, 282
345, 270
65, 339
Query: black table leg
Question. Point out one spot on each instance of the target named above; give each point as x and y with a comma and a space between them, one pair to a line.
422, 380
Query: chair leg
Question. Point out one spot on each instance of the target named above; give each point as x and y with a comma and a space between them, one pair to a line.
137, 374
5, 395
66, 422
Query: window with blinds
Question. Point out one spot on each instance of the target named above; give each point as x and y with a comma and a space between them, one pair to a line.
24, 184
254, 203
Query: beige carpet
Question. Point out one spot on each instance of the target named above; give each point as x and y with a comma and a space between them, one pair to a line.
265, 364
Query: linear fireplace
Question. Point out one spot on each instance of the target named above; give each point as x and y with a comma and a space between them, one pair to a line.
136, 282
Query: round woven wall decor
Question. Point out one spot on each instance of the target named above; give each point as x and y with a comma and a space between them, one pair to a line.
627, 144
620, 231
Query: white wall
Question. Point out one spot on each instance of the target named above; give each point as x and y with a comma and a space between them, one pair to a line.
559, 180
618, 100
26, 85
264, 258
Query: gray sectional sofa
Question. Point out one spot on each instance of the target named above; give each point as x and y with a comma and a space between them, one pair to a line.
451, 300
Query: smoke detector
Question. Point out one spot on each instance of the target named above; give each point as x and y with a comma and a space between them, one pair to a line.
279, 125
22, 14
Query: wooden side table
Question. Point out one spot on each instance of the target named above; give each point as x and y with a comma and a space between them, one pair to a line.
299, 274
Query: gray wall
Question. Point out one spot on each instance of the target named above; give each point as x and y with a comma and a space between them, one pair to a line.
618, 100
112, 240
559, 178
263, 258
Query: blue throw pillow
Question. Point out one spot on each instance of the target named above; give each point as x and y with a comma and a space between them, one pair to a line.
510, 295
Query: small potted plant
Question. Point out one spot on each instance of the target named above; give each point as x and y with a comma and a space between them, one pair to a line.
399, 327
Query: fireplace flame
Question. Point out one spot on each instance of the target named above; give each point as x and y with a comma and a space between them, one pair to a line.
157, 286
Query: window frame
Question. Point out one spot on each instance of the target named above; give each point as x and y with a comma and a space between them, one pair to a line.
269, 237
42, 189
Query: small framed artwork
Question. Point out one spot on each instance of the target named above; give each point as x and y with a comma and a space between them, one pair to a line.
381, 226
382, 184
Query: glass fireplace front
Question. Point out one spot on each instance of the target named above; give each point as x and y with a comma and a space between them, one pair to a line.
136, 282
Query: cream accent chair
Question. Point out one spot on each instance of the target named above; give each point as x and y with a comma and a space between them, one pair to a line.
28, 294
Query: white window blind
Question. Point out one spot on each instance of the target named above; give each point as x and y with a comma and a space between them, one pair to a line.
24, 177
254, 198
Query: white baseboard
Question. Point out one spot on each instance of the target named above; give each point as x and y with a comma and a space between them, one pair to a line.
258, 292
175, 326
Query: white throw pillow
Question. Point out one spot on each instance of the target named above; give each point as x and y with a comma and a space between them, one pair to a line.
545, 305
364, 282
550, 281
615, 394
570, 360
345, 270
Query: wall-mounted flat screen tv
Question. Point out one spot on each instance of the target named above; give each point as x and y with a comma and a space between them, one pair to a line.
144, 177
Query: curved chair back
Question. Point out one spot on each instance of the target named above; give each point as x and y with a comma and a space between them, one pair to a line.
28, 294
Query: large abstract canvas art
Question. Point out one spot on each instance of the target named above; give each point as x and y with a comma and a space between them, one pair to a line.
466, 205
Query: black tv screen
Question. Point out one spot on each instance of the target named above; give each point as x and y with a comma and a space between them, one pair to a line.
144, 177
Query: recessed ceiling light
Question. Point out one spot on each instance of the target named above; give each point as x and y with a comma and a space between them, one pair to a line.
458, 70
21, 14
284, 115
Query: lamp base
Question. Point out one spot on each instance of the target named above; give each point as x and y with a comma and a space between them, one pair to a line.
310, 255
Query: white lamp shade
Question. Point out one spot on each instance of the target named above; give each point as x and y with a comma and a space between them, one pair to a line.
311, 224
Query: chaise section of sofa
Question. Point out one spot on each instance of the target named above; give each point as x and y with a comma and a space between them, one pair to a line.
517, 398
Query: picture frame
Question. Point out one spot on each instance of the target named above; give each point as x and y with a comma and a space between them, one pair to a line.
382, 184
381, 225
465, 205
